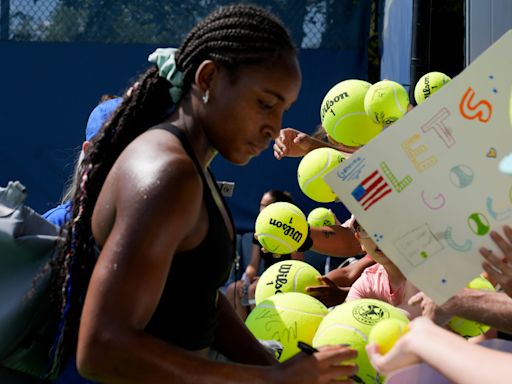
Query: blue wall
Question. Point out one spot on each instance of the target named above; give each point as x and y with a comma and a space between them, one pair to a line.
49, 89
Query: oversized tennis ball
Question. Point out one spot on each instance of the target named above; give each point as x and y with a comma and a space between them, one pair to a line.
351, 323
281, 227
386, 332
285, 276
338, 333
363, 314
386, 102
320, 217
311, 170
287, 318
470, 328
429, 84
343, 116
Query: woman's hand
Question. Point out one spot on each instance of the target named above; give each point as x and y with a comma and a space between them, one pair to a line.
328, 292
404, 352
291, 143
499, 268
321, 367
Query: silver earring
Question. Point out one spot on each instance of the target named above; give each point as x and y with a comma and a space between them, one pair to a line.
206, 96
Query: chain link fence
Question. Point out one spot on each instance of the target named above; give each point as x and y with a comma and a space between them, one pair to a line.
331, 24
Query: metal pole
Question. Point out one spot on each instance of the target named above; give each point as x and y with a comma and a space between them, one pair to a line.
5, 6
420, 43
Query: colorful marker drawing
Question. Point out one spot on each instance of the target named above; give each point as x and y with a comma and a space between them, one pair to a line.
418, 245
481, 110
478, 224
399, 185
441, 161
461, 176
372, 189
498, 216
464, 247
438, 124
439, 197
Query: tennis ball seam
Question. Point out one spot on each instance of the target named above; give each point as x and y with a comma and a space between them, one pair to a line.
277, 239
346, 115
321, 172
344, 326
397, 102
268, 306
296, 278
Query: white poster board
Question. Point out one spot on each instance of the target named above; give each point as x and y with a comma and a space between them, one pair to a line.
428, 188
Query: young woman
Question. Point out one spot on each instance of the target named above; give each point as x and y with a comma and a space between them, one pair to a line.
151, 239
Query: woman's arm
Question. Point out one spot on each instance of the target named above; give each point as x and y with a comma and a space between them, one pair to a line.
254, 265
335, 240
234, 340
460, 361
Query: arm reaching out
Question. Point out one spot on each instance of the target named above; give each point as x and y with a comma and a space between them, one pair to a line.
499, 268
426, 342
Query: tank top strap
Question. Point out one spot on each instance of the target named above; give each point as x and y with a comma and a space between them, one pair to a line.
217, 197
182, 137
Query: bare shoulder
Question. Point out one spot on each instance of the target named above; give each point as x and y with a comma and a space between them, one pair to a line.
153, 183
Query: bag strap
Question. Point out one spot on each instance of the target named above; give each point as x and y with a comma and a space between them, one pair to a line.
11, 197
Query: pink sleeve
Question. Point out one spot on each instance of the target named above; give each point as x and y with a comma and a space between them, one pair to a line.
359, 289
374, 284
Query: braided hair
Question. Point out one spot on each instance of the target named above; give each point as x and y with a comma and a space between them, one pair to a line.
232, 36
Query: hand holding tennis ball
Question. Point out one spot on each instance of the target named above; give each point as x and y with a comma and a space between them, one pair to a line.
386, 333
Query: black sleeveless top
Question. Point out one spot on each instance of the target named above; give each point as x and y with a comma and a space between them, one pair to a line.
187, 313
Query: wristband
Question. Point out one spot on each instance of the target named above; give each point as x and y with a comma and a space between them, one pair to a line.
307, 244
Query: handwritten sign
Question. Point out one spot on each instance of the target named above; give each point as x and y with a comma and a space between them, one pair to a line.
428, 188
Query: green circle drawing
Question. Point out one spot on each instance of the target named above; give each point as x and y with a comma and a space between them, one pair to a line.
478, 224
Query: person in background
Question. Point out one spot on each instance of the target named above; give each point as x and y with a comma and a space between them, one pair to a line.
336, 241
241, 293
382, 281
148, 219
429, 343
107, 105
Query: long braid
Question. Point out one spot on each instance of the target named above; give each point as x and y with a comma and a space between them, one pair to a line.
231, 36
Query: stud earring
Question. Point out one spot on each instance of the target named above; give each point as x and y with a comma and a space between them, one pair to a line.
206, 96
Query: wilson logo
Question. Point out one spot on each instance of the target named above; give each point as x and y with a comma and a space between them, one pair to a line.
329, 103
282, 277
288, 230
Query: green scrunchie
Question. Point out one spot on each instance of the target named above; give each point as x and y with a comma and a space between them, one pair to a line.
166, 63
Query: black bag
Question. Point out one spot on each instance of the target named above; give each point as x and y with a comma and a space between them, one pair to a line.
27, 242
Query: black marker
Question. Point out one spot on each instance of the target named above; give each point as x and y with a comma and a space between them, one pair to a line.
306, 348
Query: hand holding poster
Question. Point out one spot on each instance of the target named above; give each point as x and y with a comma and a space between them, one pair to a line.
428, 188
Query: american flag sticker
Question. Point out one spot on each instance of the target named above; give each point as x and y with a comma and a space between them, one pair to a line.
373, 188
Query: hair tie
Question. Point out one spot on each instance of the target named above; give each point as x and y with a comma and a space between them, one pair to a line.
164, 58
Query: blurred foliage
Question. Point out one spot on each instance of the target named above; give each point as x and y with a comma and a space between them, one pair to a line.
330, 24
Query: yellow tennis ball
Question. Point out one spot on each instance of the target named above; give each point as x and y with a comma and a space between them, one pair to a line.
470, 328
386, 102
311, 170
281, 228
363, 314
386, 333
320, 217
338, 333
351, 323
429, 84
287, 318
285, 276
343, 116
